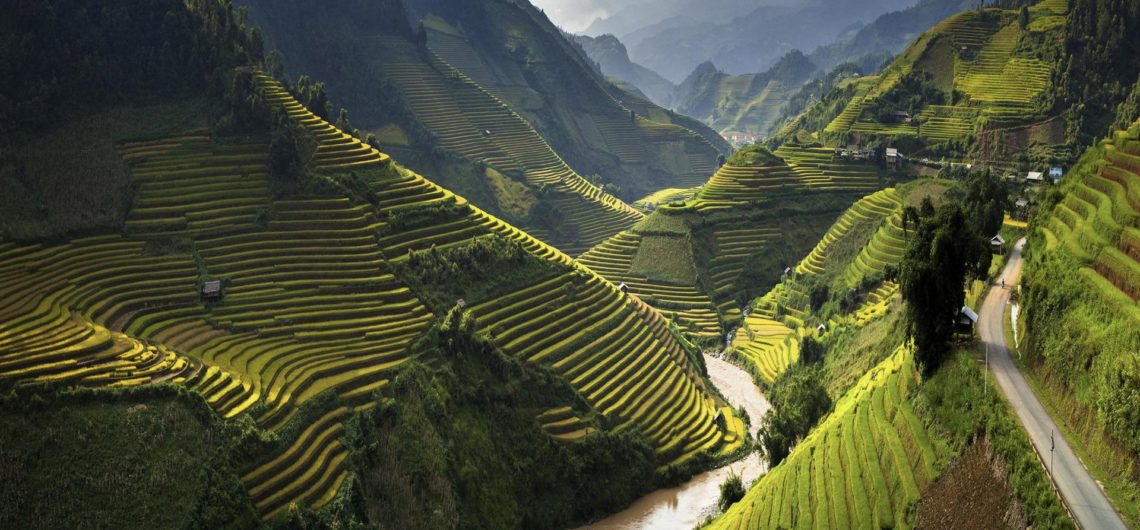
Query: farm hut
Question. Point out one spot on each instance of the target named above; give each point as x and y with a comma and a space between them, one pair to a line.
212, 291
623, 288
461, 303
1035, 177
902, 116
720, 421
820, 329
967, 318
893, 156
1056, 173
997, 244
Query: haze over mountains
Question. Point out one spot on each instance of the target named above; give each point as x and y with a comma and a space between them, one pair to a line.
729, 96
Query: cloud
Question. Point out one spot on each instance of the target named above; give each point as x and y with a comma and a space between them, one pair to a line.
573, 15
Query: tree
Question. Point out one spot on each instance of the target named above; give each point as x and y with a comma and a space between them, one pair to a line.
799, 400
986, 200
942, 254
1023, 17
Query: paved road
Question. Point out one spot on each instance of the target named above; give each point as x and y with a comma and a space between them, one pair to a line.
1084, 497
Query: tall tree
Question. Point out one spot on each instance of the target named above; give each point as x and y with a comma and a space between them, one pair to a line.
943, 253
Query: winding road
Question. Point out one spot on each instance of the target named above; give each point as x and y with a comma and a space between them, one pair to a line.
1082, 494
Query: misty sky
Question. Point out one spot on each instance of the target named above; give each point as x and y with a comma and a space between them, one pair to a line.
574, 15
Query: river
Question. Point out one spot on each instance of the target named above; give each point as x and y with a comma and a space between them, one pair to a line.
685, 506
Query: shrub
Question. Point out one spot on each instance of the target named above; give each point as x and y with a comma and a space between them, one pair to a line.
731, 491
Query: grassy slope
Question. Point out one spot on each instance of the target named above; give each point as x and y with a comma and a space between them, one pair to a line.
1080, 319
151, 459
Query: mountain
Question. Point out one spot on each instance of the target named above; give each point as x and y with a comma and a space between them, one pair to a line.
280, 317
742, 106
753, 40
613, 60
975, 85
891, 32
433, 90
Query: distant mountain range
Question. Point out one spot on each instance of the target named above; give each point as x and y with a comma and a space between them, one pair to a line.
749, 104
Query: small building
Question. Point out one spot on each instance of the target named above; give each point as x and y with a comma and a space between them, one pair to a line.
1012, 178
787, 271
1035, 177
1056, 173
967, 318
1021, 209
997, 244
820, 329
623, 288
461, 303
902, 116
893, 156
212, 291
486, 132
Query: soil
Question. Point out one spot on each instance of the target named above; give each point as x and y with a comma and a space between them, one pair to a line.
972, 494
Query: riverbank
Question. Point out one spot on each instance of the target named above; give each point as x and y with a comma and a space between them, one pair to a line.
685, 506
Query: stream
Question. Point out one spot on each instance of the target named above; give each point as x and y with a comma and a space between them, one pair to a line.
685, 506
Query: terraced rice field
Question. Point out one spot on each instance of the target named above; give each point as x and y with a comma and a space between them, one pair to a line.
732, 185
588, 331
862, 467
691, 308
470, 121
1094, 223
820, 170
843, 122
996, 78
770, 337
311, 306
943, 122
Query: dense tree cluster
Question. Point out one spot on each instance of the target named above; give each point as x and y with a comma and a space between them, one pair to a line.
913, 92
942, 254
1099, 65
798, 400
59, 58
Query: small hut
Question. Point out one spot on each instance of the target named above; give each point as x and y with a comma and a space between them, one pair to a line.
997, 244
967, 319
623, 288
212, 291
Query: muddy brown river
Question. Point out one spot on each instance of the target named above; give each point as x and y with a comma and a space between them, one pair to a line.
685, 506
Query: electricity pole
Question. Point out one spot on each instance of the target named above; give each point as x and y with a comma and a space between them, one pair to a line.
1052, 445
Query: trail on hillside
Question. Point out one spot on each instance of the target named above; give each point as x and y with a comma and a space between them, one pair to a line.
1081, 493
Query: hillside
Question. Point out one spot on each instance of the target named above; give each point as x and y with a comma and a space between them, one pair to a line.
613, 60
1080, 309
972, 86
350, 322
889, 443
701, 259
350, 285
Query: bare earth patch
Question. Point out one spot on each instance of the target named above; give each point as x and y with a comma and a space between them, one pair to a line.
972, 494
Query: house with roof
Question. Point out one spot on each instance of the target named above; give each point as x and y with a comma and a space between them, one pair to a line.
1035, 177
966, 321
893, 156
1056, 173
997, 244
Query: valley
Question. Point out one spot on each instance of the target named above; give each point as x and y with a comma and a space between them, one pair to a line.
443, 264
